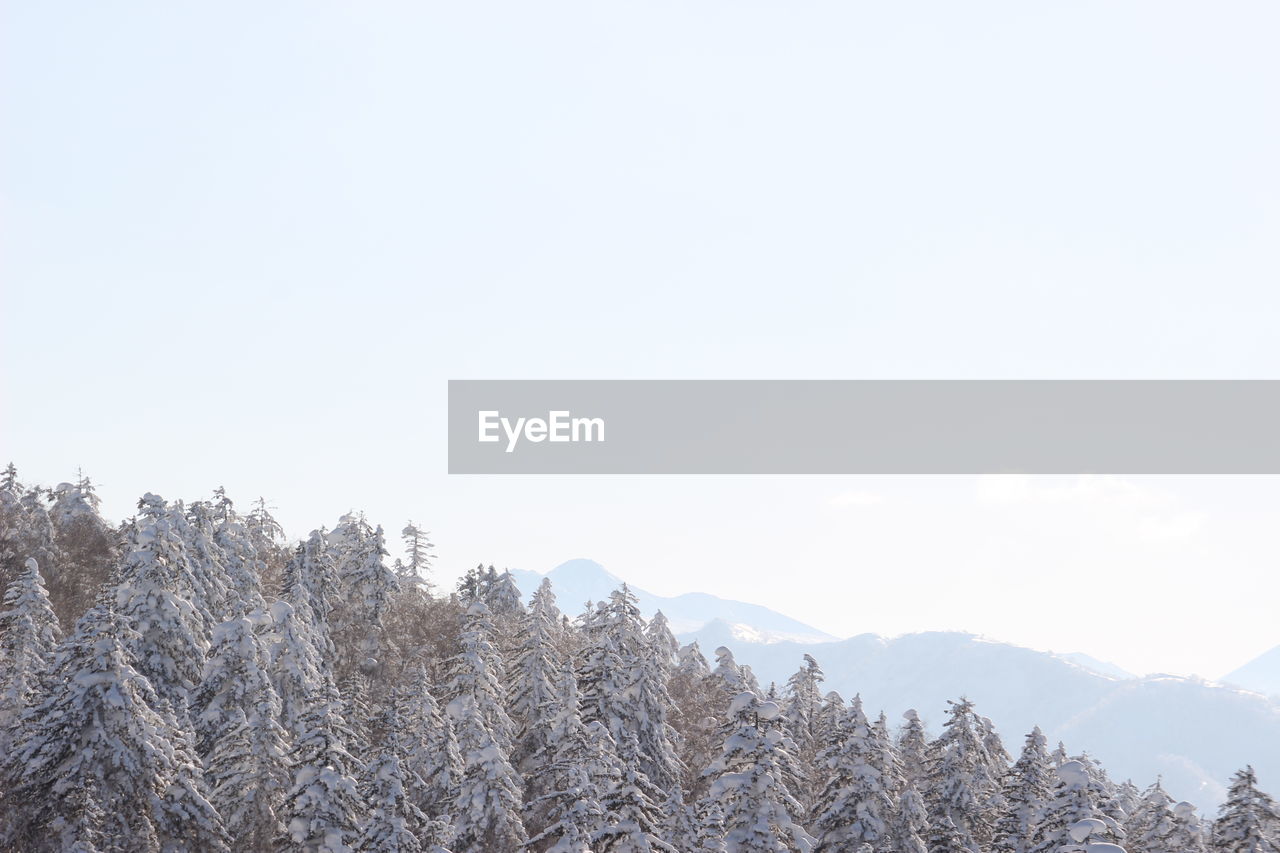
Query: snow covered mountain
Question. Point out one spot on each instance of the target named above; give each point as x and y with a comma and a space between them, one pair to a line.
1192, 733
579, 581
1261, 674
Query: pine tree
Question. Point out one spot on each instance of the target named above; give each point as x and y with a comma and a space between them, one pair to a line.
503, 598
269, 543
710, 827
367, 587
395, 824
87, 549
487, 809
909, 826
296, 663
235, 713
164, 600
1188, 834
28, 634
963, 778
417, 549
425, 742
531, 693
624, 686
678, 821
632, 808
853, 807
1026, 790
475, 675
323, 811
243, 565
886, 757
698, 704
101, 746
802, 706
1071, 808
1151, 822
759, 812
1248, 821
563, 809
913, 748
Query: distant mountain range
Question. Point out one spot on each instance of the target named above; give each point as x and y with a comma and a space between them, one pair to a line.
1261, 674
1192, 733
579, 581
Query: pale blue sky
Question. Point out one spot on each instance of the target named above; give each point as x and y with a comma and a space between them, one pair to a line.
248, 243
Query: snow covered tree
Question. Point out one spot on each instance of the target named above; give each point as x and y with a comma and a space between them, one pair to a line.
1127, 798
1248, 821
1188, 834
632, 807
886, 758
297, 666
963, 778
624, 686
425, 742
1026, 790
395, 824
1073, 805
235, 714
909, 825
243, 566
759, 812
475, 674
28, 634
563, 808
537, 663
913, 748
367, 587
710, 827
698, 704
665, 646
417, 552
679, 827
101, 746
323, 811
486, 814
853, 806
87, 549
504, 599
311, 585
268, 542
801, 709
164, 600
1151, 821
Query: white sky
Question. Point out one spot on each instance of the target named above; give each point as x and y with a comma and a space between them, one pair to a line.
247, 244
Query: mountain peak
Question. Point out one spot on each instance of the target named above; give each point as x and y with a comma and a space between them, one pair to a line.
582, 570
580, 580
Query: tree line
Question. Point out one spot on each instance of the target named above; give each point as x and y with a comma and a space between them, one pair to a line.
187, 681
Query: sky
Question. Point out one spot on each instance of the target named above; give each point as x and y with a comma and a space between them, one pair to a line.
247, 244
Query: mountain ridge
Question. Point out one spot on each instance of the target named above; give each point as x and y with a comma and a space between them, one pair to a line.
1191, 732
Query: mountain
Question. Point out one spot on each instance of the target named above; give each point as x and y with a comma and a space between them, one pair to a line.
579, 581
1262, 674
1192, 733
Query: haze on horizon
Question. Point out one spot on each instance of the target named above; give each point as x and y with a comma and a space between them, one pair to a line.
247, 246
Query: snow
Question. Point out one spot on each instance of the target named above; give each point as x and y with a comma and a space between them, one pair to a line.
741, 702
1073, 774
1082, 829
